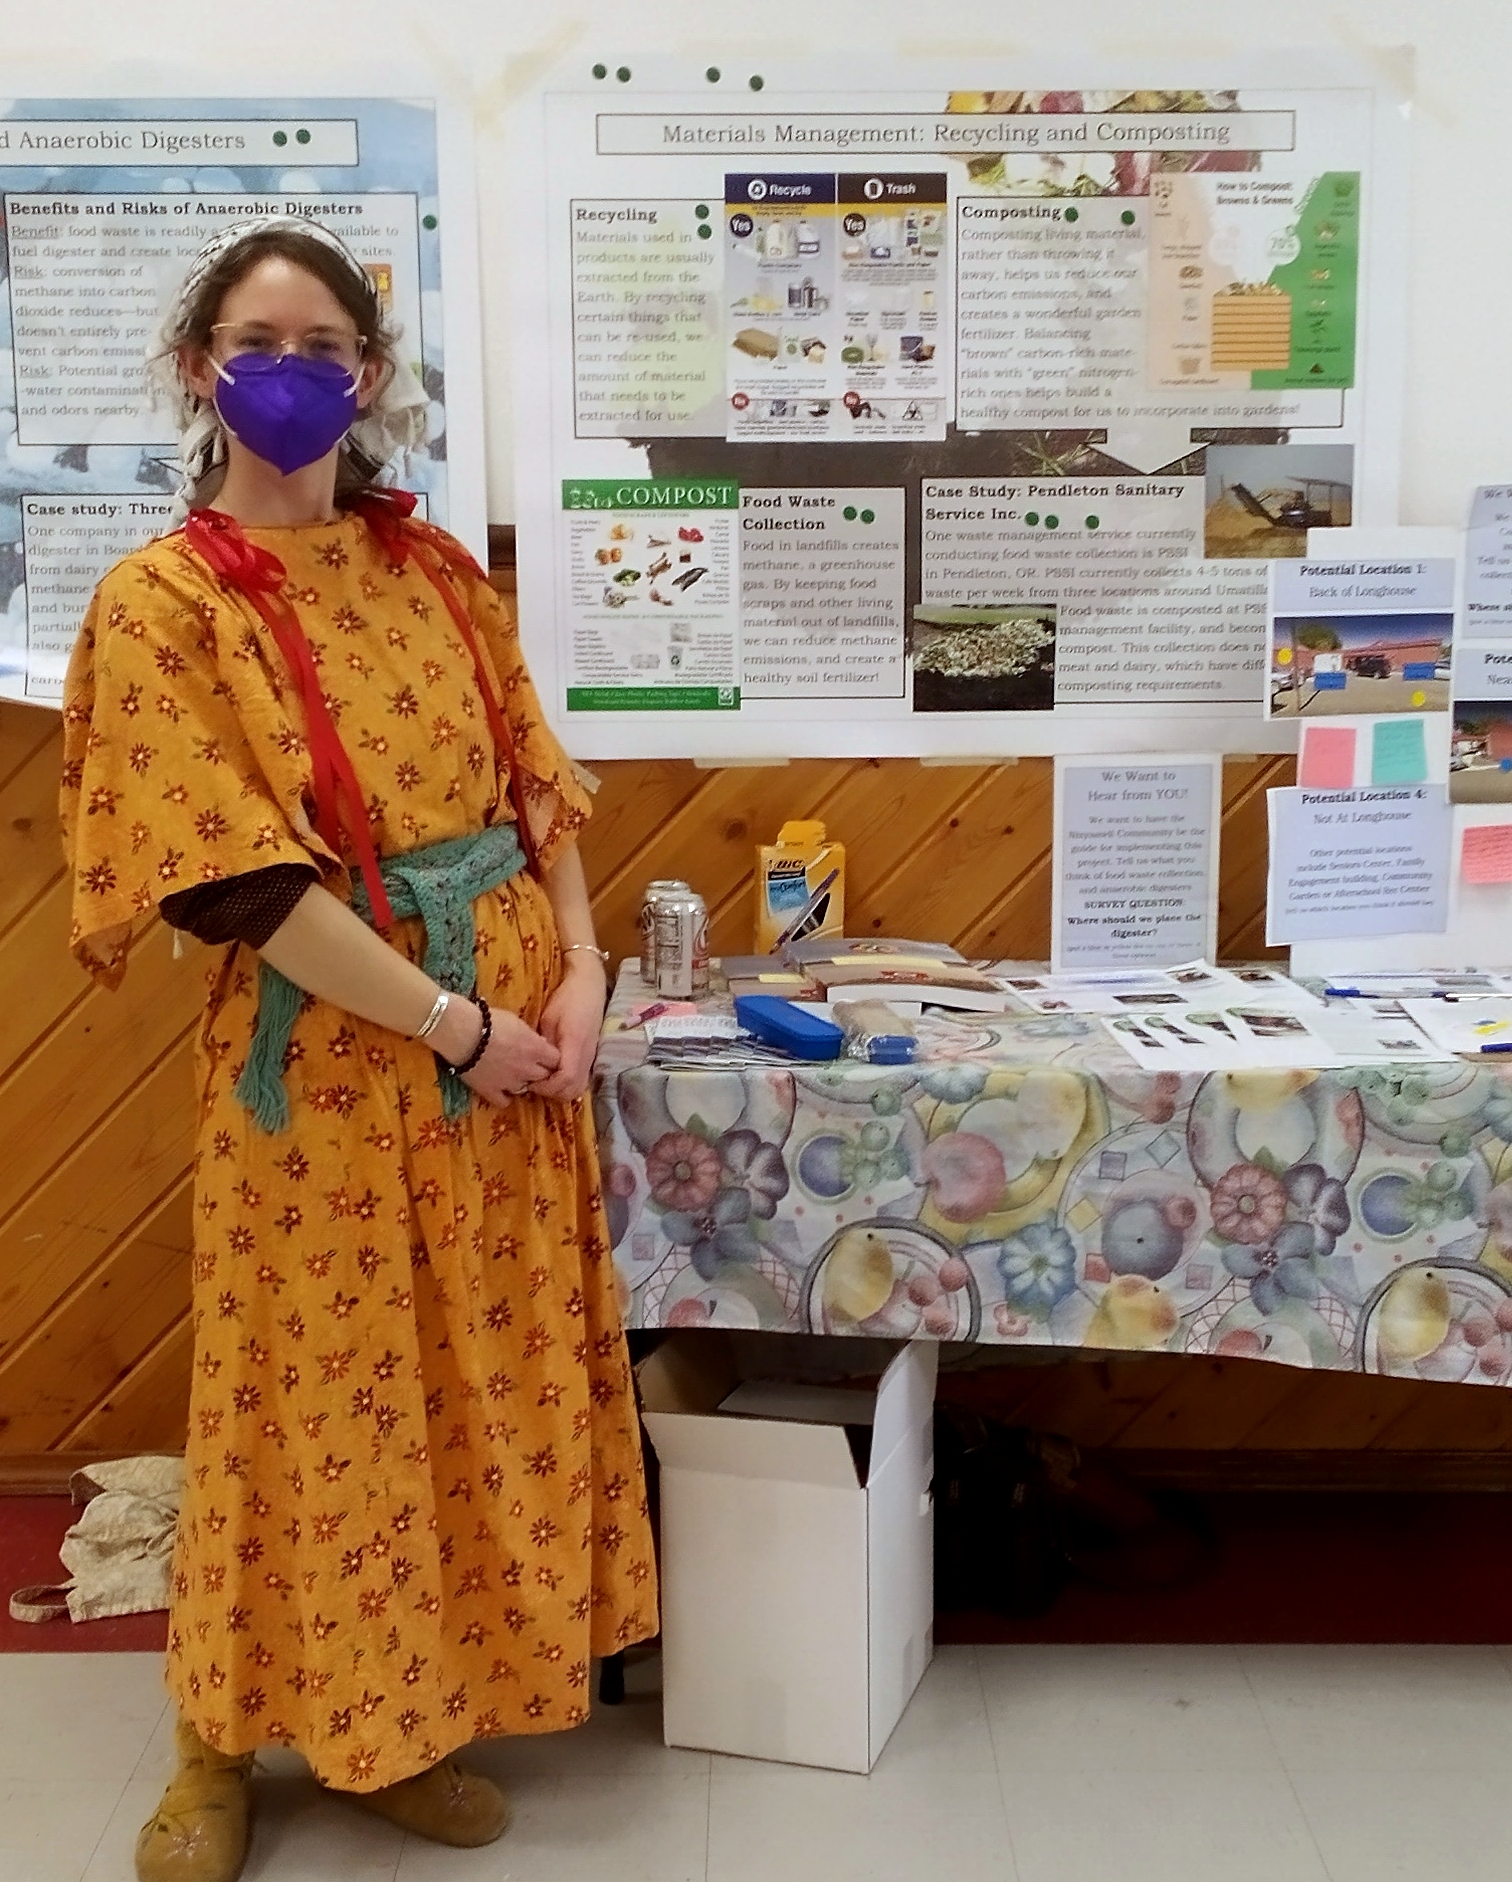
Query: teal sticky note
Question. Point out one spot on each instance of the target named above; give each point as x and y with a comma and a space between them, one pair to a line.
1397, 752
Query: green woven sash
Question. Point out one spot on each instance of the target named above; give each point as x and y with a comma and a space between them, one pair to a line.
439, 884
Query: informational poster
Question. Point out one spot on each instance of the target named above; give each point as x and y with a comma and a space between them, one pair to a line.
1091, 355
1463, 954
1345, 864
1135, 869
655, 606
105, 201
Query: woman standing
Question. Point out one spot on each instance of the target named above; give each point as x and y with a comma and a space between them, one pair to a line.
301, 726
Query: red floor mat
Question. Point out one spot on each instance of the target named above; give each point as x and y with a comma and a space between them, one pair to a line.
31, 1527
1313, 1569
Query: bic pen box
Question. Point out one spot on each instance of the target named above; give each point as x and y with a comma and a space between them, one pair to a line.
788, 1027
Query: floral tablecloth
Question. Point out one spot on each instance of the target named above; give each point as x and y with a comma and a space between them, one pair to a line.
1025, 1183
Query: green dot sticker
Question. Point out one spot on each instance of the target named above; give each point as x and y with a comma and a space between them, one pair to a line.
1127, 218
868, 516
756, 81
623, 75
704, 231
1032, 518
601, 71
301, 137
1052, 522
1073, 215
280, 138
1093, 522
849, 512
701, 210
712, 75
427, 222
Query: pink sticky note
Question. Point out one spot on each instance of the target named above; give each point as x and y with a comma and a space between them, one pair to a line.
1486, 853
1328, 757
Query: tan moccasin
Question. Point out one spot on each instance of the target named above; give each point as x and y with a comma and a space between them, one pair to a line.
199, 1831
445, 1804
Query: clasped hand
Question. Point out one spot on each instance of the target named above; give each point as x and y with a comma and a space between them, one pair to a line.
554, 1062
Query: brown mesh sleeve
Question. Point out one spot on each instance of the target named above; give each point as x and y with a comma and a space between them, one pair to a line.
249, 907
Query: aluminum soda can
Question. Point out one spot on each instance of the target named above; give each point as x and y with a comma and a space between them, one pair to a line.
681, 926
654, 892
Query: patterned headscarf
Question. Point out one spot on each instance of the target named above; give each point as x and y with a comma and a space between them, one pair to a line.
394, 421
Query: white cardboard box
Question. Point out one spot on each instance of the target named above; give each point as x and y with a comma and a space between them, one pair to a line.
797, 1583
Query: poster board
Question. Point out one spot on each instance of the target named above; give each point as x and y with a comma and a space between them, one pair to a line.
105, 199
1010, 382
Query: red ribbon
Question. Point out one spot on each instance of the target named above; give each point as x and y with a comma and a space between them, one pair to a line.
261, 577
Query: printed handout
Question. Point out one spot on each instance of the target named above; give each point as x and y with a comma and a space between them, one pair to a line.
1254, 1039
1134, 878
1361, 635
1357, 863
1194, 983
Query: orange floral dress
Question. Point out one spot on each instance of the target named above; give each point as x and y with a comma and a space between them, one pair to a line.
415, 1504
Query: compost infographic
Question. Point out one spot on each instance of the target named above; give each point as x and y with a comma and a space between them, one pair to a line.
105, 201
1010, 393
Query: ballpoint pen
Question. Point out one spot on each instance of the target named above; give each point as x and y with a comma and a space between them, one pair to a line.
795, 926
1379, 993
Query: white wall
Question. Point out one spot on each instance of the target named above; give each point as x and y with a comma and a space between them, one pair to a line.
1458, 429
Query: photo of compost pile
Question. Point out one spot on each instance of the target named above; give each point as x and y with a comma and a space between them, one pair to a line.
1263, 498
984, 659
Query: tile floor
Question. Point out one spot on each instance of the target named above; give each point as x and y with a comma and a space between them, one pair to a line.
1013, 1764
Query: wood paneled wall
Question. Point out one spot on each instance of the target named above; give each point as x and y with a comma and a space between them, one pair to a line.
96, 1104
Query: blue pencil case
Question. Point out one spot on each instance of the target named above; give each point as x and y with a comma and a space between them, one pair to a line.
788, 1026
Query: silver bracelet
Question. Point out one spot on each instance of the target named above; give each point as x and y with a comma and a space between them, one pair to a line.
587, 947
433, 1017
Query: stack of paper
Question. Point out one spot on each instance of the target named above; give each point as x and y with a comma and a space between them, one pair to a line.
1171, 989
1250, 1038
876, 968
706, 1039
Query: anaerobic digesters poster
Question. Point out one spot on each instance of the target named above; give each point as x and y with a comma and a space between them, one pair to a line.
105, 200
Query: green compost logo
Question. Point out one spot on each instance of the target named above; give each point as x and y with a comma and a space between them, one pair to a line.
650, 493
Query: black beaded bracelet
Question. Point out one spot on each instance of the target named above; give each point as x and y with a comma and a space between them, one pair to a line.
481, 1047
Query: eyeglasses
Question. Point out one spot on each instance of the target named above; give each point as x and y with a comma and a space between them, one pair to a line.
333, 349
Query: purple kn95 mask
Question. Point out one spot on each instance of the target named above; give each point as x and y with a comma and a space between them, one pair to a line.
289, 411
